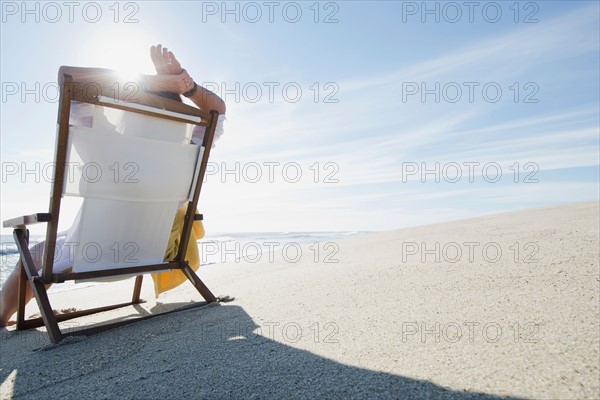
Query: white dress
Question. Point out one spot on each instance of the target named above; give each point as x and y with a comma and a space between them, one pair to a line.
82, 115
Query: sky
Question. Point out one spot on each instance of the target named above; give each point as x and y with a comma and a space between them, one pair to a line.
341, 116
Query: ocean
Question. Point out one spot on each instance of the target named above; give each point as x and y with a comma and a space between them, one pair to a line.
249, 247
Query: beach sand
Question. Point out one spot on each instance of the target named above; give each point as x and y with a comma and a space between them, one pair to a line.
387, 315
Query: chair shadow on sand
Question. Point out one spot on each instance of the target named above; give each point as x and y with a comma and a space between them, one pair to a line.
212, 352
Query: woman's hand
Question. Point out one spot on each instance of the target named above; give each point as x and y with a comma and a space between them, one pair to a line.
174, 83
172, 78
164, 60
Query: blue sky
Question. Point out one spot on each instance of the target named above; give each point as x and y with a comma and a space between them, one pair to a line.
362, 145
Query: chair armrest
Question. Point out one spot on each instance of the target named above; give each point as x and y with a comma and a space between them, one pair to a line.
198, 217
27, 220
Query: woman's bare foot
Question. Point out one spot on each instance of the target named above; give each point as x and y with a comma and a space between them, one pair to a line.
7, 323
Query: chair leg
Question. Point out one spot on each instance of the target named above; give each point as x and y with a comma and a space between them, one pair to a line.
137, 289
198, 284
21, 299
22, 288
38, 287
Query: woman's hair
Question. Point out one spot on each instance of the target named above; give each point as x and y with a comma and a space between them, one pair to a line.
169, 95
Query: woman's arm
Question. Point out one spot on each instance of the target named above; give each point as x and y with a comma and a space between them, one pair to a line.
171, 78
102, 76
167, 65
207, 100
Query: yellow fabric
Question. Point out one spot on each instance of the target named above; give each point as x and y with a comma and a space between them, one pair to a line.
164, 281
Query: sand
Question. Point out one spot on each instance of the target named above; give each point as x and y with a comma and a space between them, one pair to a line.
374, 316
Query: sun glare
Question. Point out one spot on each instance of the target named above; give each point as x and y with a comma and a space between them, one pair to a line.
126, 52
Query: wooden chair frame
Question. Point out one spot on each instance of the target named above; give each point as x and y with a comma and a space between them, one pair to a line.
90, 92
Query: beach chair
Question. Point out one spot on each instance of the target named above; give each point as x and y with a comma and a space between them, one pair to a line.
132, 131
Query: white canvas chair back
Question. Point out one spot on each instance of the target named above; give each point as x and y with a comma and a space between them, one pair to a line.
133, 171
133, 166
